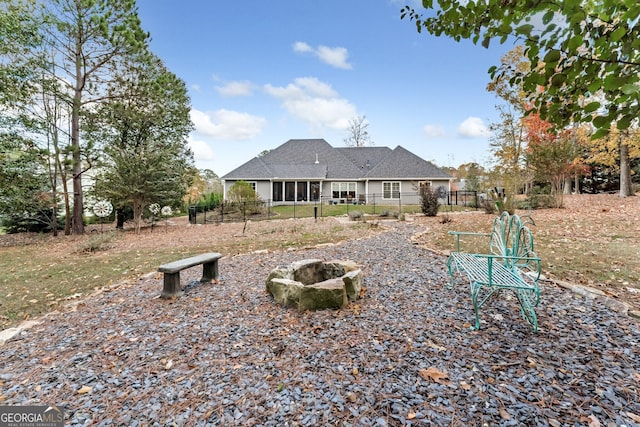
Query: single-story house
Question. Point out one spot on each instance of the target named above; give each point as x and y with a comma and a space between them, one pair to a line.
311, 170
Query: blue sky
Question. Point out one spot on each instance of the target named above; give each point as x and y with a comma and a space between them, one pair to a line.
260, 73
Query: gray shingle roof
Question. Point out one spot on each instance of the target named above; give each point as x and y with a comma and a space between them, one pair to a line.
402, 163
316, 159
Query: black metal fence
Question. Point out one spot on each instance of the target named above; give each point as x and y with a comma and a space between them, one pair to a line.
372, 204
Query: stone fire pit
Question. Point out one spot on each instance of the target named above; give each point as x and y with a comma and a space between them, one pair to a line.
312, 284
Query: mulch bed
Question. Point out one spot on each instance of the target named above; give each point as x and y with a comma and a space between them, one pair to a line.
225, 354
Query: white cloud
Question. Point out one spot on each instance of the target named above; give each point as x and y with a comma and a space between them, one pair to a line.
434, 131
226, 124
334, 56
243, 88
201, 150
473, 127
315, 103
301, 47
195, 87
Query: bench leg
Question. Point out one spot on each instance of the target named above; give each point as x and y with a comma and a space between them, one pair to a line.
209, 271
528, 301
475, 291
171, 287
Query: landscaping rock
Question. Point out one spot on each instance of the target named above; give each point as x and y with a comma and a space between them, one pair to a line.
328, 294
285, 291
353, 281
286, 284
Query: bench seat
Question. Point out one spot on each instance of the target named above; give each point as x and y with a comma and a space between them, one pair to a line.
172, 271
511, 265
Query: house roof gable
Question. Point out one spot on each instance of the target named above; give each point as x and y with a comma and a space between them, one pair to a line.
317, 159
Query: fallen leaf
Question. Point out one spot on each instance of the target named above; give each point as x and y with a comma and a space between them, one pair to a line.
85, 389
411, 415
436, 346
168, 365
504, 414
434, 374
465, 386
593, 421
634, 417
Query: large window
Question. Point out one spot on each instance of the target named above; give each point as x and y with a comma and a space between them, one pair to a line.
278, 195
391, 190
301, 195
343, 190
315, 191
290, 191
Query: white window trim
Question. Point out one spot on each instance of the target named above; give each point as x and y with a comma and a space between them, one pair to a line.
391, 190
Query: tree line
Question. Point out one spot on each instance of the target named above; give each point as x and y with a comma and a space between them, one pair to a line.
87, 112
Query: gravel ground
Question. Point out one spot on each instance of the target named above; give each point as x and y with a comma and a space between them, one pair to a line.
225, 354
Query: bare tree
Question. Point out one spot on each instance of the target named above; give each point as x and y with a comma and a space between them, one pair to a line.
358, 133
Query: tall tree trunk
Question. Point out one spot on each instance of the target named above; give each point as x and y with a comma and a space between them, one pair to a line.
566, 188
137, 214
78, 202
625, 170
576, 182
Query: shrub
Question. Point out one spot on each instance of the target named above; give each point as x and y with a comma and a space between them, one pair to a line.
445, 219
489, 206
38, 222
97, 242
539, 198
387, 213
429, 201
355, 215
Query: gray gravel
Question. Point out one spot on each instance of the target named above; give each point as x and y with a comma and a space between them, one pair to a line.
226, 355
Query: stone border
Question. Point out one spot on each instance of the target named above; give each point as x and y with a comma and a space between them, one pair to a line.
312, 284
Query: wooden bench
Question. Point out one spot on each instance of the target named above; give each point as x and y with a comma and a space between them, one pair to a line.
510, 264
172, 271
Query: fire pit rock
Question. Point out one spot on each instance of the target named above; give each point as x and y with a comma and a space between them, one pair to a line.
312, 284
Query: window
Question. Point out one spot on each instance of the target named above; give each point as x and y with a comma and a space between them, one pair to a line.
343, 190
391, 190
301, 191
253, 185
315, 191
278, 195
290, 191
